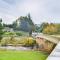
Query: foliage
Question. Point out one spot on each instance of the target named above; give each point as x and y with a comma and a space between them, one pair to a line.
8, 25
24, 23
19, 34
50, 29
4, 41
9, 33
24, 41
27, 41
43, 26
37, 28
1, 27
58, 27
14, 25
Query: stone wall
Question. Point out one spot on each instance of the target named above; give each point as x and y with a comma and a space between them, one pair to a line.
44, 45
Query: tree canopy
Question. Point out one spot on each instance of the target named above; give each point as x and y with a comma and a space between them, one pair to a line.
1, 27
24, 23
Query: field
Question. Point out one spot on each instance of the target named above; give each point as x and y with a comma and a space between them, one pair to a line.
22, 55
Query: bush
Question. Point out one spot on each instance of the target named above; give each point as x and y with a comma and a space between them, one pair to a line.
8, 40
23, 41
28, 41
4, 41
10, 33
19, 33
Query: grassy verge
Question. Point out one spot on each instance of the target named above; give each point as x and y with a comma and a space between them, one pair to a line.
22, 55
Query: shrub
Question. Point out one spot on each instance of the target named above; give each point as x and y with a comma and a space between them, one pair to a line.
27, 41
19, 33
9, 33
24, 41
4, 41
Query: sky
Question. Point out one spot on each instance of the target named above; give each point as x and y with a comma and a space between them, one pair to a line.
40, 10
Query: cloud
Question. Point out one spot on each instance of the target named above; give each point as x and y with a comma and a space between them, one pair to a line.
40, 10
8, 19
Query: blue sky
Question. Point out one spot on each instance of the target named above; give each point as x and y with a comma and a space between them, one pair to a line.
40, 10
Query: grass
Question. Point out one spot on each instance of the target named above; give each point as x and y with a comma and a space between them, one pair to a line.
14, 33
22, 55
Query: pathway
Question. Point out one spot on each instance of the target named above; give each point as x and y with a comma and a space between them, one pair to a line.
15, 48
55, 55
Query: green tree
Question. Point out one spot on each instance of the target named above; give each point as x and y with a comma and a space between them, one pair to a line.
37, 28
24, 23
14, 25
43, 26
32, 26
50, 29
1, 27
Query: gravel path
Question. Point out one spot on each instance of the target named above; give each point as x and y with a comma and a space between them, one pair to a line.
15, 48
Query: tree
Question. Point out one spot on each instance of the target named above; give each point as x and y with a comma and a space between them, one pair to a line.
43, 26
1, 27
58, 27
14, 25
37, 28
24, 23
50, 29
8, 25
32, 26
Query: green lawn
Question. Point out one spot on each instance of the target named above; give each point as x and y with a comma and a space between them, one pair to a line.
22, 55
